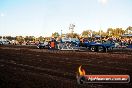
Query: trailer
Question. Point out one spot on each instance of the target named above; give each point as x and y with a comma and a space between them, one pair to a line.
68, 44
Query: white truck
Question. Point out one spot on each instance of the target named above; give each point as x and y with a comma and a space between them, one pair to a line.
4, 42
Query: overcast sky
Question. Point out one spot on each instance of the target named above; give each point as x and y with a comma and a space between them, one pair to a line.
43, 17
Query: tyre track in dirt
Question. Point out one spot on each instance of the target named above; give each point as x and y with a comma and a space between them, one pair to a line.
50, 73
58, 67
38, 69
78, 61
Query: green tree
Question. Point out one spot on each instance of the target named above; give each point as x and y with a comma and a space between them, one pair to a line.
55, 35
69, 35
20, 39
128, 30
41, 38
110, 31
29, 38
119, 31
86, 33
95, 33
115, 32
75, 35
10, 38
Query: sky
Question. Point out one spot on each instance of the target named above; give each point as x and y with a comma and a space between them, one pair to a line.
44, 17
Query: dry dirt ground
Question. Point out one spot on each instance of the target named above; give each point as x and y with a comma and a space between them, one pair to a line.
28, 67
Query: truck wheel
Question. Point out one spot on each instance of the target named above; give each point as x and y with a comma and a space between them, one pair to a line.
93, 48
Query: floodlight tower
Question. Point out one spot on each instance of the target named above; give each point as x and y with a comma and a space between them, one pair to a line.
71, 28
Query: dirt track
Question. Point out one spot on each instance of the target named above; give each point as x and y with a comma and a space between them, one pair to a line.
27, 67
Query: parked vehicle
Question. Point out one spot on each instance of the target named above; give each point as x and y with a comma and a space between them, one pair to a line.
42, 45
1, 43
4, 42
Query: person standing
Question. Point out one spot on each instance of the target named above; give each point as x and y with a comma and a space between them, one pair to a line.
52, 44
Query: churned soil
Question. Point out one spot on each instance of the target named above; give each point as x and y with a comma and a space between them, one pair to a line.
28, 67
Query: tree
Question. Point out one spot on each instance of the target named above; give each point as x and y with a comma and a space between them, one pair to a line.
103, 34
95, 33
74, 35
119, 31
128, 30
9, 38
20, 39
87, 33
55, 35
40, 38
110, 31
29, 38
115, 32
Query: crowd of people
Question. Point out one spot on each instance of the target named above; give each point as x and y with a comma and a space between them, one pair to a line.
122, 41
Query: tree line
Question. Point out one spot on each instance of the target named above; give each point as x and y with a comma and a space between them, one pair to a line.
117, 32
111, 32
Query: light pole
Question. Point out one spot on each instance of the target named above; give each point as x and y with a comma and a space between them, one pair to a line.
71, 27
